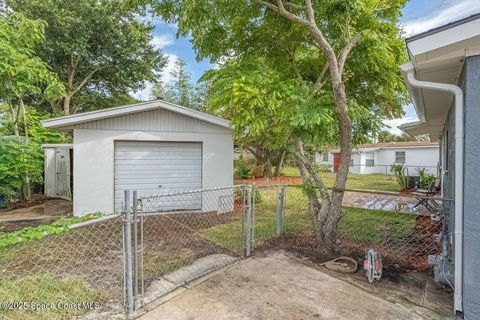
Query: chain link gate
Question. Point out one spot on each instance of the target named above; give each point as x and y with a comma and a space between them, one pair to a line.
172, 239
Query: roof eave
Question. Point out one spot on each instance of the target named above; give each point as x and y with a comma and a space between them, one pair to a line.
68, 122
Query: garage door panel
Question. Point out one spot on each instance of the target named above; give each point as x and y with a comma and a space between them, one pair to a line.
159, 155
144, 166
193, 163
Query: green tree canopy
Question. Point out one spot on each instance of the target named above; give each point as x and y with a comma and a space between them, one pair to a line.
22, 72
181, 90
344, 55
97, 48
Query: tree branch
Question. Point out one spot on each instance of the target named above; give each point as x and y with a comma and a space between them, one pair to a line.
320, 80
310, 14
294, 6
297, 72
300, 154
85, 80
266, 4
252, 151
342, 57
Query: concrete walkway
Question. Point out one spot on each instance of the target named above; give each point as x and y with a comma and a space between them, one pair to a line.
276, 286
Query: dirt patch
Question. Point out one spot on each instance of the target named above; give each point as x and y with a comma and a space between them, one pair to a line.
36, 199
408, 257
41, 211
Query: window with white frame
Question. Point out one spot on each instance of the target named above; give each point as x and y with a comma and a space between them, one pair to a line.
351, 162
369, 159
400, 156
325, 156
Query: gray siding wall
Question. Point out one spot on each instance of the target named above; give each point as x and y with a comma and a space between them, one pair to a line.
158, 120
470, 84
471, 289
449, 165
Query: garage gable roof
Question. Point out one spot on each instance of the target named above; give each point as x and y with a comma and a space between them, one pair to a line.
68, 121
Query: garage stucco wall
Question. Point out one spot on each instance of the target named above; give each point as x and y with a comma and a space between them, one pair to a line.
94, 156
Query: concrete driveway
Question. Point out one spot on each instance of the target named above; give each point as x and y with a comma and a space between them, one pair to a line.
277, 286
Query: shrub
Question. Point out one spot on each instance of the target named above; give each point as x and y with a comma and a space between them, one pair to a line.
399, 171
242, 170
426, 179
17, 160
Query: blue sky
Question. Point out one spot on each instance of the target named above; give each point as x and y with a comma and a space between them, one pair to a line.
418, 16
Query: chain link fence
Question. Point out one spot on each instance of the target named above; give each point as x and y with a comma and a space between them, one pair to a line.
64, 275
162, 242
404, 233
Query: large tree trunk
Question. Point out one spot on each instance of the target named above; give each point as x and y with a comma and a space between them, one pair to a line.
263, 158
279, 166
66, 104
267, 166
326, 211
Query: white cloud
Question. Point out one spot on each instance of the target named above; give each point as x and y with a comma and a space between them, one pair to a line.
392, 125
146, 93
162, 41
449, 12
166, 76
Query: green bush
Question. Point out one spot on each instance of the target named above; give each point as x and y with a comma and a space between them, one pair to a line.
399, 171
17, 160
242, 170
426, 179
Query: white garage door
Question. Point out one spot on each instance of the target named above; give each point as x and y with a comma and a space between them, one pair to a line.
159, 167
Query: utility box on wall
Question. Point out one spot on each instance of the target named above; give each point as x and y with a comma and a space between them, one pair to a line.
58, 170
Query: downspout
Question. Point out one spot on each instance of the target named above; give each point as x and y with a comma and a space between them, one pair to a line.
459, 146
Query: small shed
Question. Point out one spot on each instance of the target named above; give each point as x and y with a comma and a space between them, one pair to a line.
58, 170
153, 147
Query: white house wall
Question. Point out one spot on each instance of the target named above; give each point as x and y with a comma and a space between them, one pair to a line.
94, 153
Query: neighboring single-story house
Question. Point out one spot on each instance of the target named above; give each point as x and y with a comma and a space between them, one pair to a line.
153, 147
378, 157
443, 78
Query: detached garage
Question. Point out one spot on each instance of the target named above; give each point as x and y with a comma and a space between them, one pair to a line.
153, 147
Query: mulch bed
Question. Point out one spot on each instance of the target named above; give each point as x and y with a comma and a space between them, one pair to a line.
270, 181
36, 199
395, 261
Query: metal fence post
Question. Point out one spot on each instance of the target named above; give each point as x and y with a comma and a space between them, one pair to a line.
248, 238
127, 222
135, 250
254, 204
280, 209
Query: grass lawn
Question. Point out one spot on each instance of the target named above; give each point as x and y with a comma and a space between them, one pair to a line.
375, 181
47, 289
358, 225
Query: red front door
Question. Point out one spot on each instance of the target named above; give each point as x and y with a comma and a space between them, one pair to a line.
336, 161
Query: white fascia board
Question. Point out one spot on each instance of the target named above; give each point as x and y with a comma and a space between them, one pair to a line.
444, 38
69, 121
